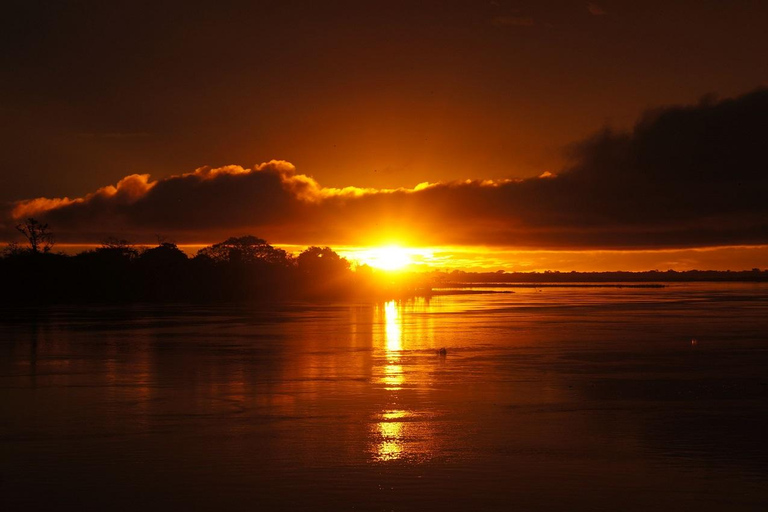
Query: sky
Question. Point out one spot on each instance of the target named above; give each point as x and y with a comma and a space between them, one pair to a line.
560, 129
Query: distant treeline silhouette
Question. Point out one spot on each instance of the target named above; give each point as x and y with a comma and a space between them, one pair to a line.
246, 268
242, 268
459, 277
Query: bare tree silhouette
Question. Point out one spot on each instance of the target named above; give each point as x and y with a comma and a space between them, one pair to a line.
37, 235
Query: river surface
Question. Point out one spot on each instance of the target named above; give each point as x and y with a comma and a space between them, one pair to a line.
545, 399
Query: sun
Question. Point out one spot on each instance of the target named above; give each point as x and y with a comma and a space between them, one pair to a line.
390, 257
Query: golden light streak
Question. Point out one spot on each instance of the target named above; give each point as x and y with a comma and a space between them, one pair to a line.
393, 330
397, 432
392, 434
393, 371
393, 377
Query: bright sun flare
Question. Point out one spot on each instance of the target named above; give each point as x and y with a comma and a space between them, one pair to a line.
386, 258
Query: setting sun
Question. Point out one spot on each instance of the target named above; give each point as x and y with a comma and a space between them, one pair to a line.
386, 258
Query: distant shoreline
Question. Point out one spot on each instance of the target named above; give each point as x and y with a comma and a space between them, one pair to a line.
549, 285
650, 277
248, 269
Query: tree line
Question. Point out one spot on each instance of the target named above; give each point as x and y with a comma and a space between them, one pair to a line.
247, 268
244, 268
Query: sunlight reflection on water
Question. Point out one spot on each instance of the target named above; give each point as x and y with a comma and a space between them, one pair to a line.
390, 432
393, 371
399, 433
590, 394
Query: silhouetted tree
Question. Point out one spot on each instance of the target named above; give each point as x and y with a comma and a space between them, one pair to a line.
12, 250
322, 261
116, 248
166, 254
323, 272
162, 273
245, 249
37, 235
117, 243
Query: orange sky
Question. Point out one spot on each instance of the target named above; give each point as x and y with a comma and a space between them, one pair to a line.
370, 94
419, 123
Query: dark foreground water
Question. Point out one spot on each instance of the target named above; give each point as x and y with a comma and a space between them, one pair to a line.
559, 399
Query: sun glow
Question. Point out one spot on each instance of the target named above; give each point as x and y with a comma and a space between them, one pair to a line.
390, 257
386, 258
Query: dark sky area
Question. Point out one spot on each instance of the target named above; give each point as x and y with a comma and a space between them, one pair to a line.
386, 95
353, 93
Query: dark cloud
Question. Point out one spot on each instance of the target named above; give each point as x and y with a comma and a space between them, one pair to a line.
684, 177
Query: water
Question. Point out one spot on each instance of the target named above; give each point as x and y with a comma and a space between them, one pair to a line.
558, 399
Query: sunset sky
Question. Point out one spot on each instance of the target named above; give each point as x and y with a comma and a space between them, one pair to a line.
525, 135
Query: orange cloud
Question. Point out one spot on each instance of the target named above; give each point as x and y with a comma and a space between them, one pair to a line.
684, 177
127, 190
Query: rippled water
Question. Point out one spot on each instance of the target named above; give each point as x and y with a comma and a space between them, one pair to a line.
552, 399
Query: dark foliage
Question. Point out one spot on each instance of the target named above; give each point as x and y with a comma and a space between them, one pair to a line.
247, 269
245, 250
238, 269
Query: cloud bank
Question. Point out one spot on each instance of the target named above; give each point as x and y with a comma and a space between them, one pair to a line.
685, 176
